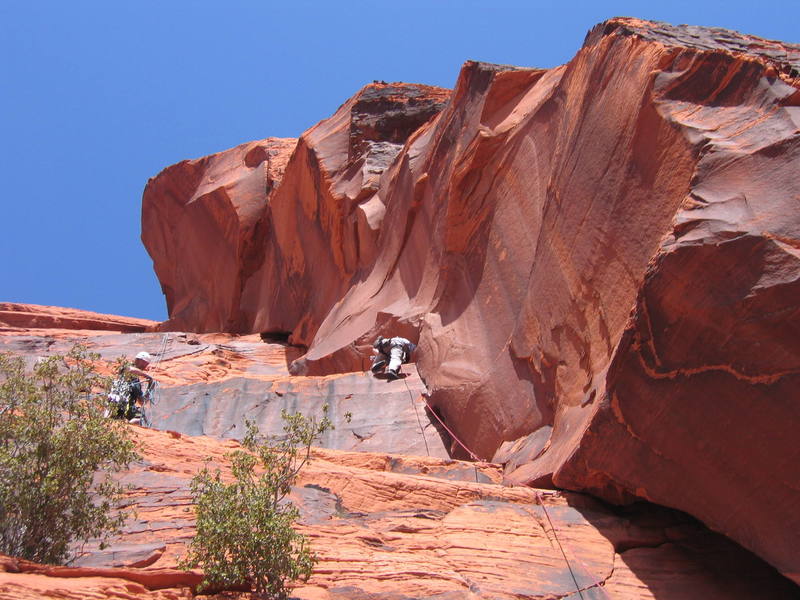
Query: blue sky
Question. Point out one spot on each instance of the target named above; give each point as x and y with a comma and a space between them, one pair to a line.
98, 96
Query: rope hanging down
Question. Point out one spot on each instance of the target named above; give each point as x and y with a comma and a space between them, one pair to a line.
152, 391
162, 349
560, 547
475, 458
471, 454
419, 421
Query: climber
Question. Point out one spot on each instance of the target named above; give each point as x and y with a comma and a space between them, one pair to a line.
394, 351
126, 396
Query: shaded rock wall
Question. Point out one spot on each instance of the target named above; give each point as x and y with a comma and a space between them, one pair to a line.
599, 262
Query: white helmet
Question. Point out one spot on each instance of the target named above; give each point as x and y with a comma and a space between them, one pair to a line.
145, 356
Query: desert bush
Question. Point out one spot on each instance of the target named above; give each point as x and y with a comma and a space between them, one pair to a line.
57, 453
245, 533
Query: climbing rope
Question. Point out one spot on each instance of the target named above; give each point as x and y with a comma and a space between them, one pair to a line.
558, 542
419, 421
471, 454
538, 496
152, 390
199, 350
165, 341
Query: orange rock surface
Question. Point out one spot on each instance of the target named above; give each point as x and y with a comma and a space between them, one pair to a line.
382, 533
395, 519
15, 316
221, 198
599, 262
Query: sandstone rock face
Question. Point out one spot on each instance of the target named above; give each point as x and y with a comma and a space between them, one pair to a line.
385, 526
219, 198
437, 539
33, 316
210, 384
279, 226
599, 261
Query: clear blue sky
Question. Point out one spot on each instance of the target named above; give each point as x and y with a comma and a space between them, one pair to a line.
98, 96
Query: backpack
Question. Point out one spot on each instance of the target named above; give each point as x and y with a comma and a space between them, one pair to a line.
124, 393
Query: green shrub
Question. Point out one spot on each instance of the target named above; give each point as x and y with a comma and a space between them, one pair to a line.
57, 452
244, 528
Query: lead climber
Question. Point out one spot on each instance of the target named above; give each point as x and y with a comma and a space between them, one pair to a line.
394, 351
126, 398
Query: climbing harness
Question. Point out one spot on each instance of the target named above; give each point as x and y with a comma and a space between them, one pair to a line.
151, 399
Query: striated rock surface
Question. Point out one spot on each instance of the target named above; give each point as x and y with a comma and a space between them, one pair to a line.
14, 317
211, 383
385, 526
203, 219
287, 233
384, 532
599, 262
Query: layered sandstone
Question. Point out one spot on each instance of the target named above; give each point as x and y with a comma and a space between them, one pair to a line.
15, 316
210, 384
599, 261
280, 226
420, 531
396, 519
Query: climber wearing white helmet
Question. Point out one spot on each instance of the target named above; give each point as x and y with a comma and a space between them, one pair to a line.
126, 396
140, 364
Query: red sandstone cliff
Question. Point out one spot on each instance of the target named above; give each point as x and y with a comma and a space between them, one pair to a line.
599, 261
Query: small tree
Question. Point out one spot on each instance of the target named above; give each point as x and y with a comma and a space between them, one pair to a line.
53, 441
244, 528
